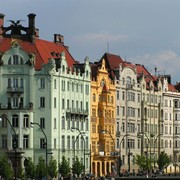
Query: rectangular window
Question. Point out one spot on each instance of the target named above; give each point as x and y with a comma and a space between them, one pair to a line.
42, 83
68, 142
55, 85
63, 104
15, 103
26, 121
15, 121
55, 143
55, 123
21, 83
54, 102
42, 102
63, 142
42, 143
15, 59
117, 94
42, 122
68, 104
25, 141
4, 141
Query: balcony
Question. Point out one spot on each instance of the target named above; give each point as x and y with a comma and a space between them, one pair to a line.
76, 112
18, 90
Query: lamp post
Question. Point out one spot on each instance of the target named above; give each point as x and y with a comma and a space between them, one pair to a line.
44, 136
139, 134
80, 133
155, 140
120, 162
14, 144
106, 131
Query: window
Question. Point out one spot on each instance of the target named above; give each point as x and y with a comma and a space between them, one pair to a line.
42, 83
118, 94
42, 102
55, 143
15, 121
63, 85
15, 59
4, 141
87, 89
55, 85
87, 125
15, 101
117, 110
63, 142
26, 121
42, 122
54, 102
4, 122
55, 123
63, 122
68, 142
94, 97
68, 124
42, 143
25, 141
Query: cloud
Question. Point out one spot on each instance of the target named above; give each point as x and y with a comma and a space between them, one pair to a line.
166, 61
100, 37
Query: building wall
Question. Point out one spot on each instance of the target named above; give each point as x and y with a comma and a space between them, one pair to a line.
103, 123
56, 99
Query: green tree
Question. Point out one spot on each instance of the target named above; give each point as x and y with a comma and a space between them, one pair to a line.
52, 168
143, 162
77, 167
163, 160
20, 173
5, 168
30, 168
64, 168
41, 170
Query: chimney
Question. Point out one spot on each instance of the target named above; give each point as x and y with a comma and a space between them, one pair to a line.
31, 29
58, 38
31, 21
1, 23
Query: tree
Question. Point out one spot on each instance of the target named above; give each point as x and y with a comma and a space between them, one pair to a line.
29, 168
5, 168
41, 170
52, 168
143, 162
77, 167
163, 160
64, 168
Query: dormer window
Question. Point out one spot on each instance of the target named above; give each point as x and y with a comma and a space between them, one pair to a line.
15, 60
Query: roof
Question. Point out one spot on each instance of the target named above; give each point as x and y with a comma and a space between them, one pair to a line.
44, 50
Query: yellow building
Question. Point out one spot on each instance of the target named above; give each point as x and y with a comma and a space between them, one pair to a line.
103, 126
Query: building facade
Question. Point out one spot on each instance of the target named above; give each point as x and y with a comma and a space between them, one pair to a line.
44, 97
103, 125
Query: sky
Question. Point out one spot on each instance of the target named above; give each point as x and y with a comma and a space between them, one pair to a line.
143, 32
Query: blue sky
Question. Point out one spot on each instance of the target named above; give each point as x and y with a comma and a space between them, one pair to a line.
140, 31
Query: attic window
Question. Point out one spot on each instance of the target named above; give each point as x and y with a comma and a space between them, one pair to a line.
15, 60
63, 69
87, 73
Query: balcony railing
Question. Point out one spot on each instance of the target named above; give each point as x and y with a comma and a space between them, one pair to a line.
15, 90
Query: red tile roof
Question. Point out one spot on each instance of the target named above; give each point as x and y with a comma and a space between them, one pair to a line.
42, 48
172, 88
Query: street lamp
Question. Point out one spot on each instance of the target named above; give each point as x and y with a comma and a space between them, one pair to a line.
139, 134
107, 132
44, 136
14, 143
120, 162
80, 133
155, 140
